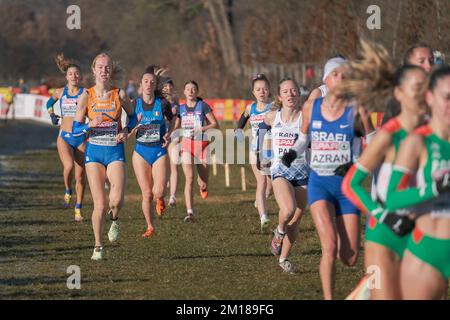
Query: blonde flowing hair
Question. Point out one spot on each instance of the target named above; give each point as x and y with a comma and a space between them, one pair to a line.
370, 78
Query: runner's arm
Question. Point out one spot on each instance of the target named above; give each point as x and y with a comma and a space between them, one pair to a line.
79, 125
302, 141
244, 118
212, 120
400, 194
129, 108
371, 158
52, 100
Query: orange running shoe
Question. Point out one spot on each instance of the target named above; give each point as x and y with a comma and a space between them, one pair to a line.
160, 207
204, 193
149, 233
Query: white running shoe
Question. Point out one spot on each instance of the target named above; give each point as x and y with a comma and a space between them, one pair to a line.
172, 201
114, 231
97, 254
287, 267
264, 223
189, 218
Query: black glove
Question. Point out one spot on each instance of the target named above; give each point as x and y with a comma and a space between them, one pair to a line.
401, 225
443, 183
343, 169
55, 118
289, 157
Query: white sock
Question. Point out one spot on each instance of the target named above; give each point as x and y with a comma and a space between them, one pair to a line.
281, 232
264, 216
190, 211
281, 260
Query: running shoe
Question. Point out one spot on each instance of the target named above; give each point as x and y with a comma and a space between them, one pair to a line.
277, 242
256, 204
264, 224
160, 207
172, 201
97, 254
287, 267
149, 233
114, 231
78, 216
66, 201
189, 218
204, 193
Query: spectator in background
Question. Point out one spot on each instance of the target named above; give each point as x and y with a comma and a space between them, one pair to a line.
439, 58
23, 86
8, 97
131, 90
43, 88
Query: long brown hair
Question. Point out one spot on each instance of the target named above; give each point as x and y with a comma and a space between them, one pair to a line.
159, 73
65, 64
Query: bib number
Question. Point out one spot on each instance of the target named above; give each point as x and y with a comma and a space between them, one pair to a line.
328, 155
189, 123
105, 134
149, 133
68, 107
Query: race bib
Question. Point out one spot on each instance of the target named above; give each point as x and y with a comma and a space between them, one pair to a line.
149, 133
189, 122
326, 156
105, 134
69, 107
282, 142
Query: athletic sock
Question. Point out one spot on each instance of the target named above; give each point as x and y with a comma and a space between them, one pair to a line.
68, 191
282, 233
78, 206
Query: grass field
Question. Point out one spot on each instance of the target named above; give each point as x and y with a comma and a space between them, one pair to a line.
222, 256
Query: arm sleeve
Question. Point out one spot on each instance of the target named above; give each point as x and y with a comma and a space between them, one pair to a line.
242, 121
352, 187
50, 103
400, 195
263, 128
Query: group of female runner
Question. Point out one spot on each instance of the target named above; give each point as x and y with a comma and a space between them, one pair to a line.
96, 146
408, 225
408, 230
314, 160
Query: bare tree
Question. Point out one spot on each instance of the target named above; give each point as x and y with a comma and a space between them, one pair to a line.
219, 16
397, 23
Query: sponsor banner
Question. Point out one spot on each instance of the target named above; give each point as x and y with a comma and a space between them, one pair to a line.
32, 106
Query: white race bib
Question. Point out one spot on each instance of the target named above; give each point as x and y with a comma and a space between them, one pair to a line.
68, 106
326, 156
105, 134
189, 123
149, 133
